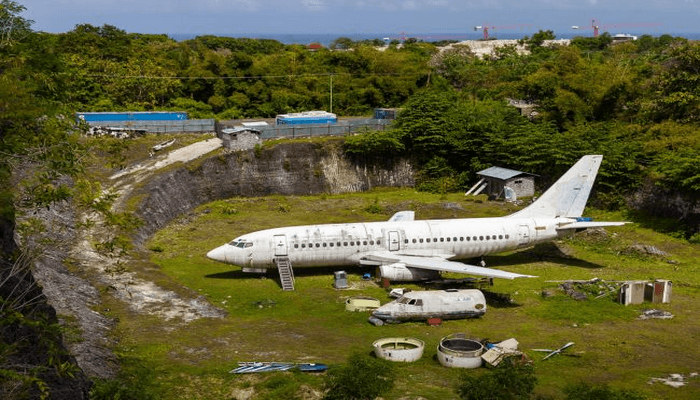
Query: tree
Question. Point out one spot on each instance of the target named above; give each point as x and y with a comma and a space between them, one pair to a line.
13, 27
538, 38
678, 85
341, 43
37, 146
425, 121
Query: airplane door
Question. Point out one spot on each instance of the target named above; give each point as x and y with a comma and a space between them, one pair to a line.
523, 234
280, 245
393, 241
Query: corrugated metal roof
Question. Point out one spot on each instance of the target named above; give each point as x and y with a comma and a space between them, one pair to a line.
237, 129
501, 173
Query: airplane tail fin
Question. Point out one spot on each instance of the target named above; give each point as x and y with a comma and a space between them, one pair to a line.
568, 196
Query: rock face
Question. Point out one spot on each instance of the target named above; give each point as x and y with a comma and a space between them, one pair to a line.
289, 169
666, 203
31, 335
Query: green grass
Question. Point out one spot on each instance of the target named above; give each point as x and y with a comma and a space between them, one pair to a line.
311, 325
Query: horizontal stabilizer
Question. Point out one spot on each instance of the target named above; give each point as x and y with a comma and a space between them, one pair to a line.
589, 224
403, 216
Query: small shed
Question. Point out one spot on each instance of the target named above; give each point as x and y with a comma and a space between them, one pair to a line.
240, 138
503, 182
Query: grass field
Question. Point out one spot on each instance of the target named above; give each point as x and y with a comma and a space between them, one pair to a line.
191, 361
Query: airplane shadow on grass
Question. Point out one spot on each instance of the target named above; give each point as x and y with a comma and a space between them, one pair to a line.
542, 252
298, 272
549, 252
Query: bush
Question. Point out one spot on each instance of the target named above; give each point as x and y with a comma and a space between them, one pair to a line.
587, 391
510, 381
361, 378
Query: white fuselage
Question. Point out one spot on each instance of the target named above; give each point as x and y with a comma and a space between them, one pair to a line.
345, 244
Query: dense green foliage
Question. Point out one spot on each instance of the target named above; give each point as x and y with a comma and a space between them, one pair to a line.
106, 69
510, 381
635, 102
362, 378
586, 391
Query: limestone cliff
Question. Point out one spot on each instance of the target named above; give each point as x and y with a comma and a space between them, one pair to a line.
290, 169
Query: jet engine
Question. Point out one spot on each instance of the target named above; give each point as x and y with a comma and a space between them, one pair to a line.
400, 272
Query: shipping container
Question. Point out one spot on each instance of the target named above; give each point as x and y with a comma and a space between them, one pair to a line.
306, 117
386, 113
132, 116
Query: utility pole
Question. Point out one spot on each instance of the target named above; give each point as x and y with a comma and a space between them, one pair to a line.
331, 90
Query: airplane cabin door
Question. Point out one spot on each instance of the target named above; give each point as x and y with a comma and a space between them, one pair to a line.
280, 245
393, 241
523, 234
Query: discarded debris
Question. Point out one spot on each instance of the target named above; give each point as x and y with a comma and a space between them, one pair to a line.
399, 349
655, 314
497, 352
569, 289
557, 351
340, 280
628, 292
253, 367
162, 145
361, 303
674, 380
265, 303
398, 292
637, 292
457, 351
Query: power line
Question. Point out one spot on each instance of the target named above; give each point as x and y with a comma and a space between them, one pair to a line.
240, 77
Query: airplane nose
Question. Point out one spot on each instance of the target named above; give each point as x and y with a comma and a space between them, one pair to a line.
218, 254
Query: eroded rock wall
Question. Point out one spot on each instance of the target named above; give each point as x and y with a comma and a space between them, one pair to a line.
290, 169
667, 203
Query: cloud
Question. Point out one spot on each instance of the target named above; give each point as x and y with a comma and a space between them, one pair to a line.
314, 5
409, 5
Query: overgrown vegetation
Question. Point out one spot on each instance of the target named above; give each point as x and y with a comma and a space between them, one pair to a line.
637, 103
509, 381
361, 378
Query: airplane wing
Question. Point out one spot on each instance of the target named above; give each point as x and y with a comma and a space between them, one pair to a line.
438, 264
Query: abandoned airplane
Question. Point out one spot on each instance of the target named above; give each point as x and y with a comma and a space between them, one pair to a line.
404, 249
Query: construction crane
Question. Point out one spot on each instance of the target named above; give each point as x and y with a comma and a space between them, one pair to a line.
486, 28
597, 28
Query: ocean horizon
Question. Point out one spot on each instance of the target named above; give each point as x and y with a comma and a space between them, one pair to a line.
326, 39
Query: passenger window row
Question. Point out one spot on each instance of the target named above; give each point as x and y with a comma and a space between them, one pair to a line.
461, 239
338, 244
419, 240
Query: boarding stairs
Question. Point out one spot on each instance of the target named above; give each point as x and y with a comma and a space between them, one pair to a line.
284, 267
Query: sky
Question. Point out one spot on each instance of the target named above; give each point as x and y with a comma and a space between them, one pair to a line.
346, 17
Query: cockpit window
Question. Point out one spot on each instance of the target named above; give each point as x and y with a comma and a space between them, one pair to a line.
242, 243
